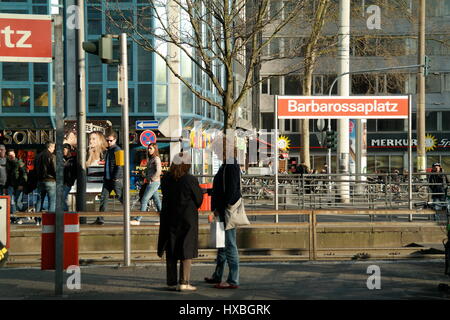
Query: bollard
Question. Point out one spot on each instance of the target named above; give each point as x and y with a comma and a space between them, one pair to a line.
71, 239
5, 220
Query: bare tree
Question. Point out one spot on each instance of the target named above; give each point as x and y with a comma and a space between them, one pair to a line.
211, 34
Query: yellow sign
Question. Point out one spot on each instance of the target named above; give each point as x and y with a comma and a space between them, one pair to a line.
283, 143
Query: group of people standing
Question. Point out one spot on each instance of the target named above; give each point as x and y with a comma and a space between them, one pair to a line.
16, 180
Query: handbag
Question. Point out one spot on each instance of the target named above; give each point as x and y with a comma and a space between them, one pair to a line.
217, 234
235, 215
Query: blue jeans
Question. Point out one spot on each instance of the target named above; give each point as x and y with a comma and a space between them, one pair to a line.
151, 192
16, 199
228, 254
66, 194
47, 188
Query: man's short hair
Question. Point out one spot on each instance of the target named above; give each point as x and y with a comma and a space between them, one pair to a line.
10, 150
111, 133
2, 146
48, 144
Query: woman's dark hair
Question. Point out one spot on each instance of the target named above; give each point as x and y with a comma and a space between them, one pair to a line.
180, 167
155, 146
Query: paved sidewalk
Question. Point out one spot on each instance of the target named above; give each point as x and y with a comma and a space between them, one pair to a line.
403, 279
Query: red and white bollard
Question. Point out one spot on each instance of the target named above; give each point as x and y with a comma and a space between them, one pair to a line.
71, 239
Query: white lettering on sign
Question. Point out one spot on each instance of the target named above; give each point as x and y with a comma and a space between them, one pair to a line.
365, 108
20, 43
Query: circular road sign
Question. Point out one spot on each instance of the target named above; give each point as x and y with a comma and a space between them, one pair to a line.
147, 137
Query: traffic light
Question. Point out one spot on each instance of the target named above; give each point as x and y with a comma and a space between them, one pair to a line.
427, 66
331, 140
103, 47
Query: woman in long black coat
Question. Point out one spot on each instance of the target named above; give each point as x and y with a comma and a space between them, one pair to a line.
178, 231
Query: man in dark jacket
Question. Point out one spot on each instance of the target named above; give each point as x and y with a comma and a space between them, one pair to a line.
3, 175
16, 179
46, 177
70, 172
438, 185
112, 176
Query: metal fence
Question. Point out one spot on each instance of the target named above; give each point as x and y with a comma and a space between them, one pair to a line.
322, 191
318, 191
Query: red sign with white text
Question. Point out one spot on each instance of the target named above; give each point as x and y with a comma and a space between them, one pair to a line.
25, 38
338, 107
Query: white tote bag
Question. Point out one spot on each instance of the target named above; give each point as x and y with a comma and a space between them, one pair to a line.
217, 235
235, 215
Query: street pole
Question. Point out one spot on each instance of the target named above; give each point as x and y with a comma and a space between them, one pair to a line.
276, 156
344, 90
59, 114
81, 116
123, 101
421, 155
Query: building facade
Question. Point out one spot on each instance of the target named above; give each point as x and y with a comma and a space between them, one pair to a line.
392, 43
154, 94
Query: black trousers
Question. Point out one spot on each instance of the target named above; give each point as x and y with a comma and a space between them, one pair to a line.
171, 271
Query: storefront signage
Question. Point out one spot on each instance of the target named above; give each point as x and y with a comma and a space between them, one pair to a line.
25, 38
28, 136
338, 107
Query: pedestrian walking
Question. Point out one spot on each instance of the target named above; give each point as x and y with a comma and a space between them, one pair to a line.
3, 175
226, 191
16, 179
153, 176
46, 178
70, 172
178, 230
438, 184
112, 176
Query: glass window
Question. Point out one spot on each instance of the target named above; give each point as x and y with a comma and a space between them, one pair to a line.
292, 85
95, 98
382, 164
94, 15
446, 120
371, 164
112, 100
144, 64
187, 100
274, 85
161, 98
40, 72
264, 86
431, 121
447, 82
390, 125
396, 163
15, 71
161, 70
371, 125
432, 159
275, 46
433, 84
41, 98
16, 100
40, 10
112, 68
145, 98
445, 163
94, 68
121, 18
274, 9
267, 120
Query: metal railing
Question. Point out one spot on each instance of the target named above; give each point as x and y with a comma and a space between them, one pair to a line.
324, 191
